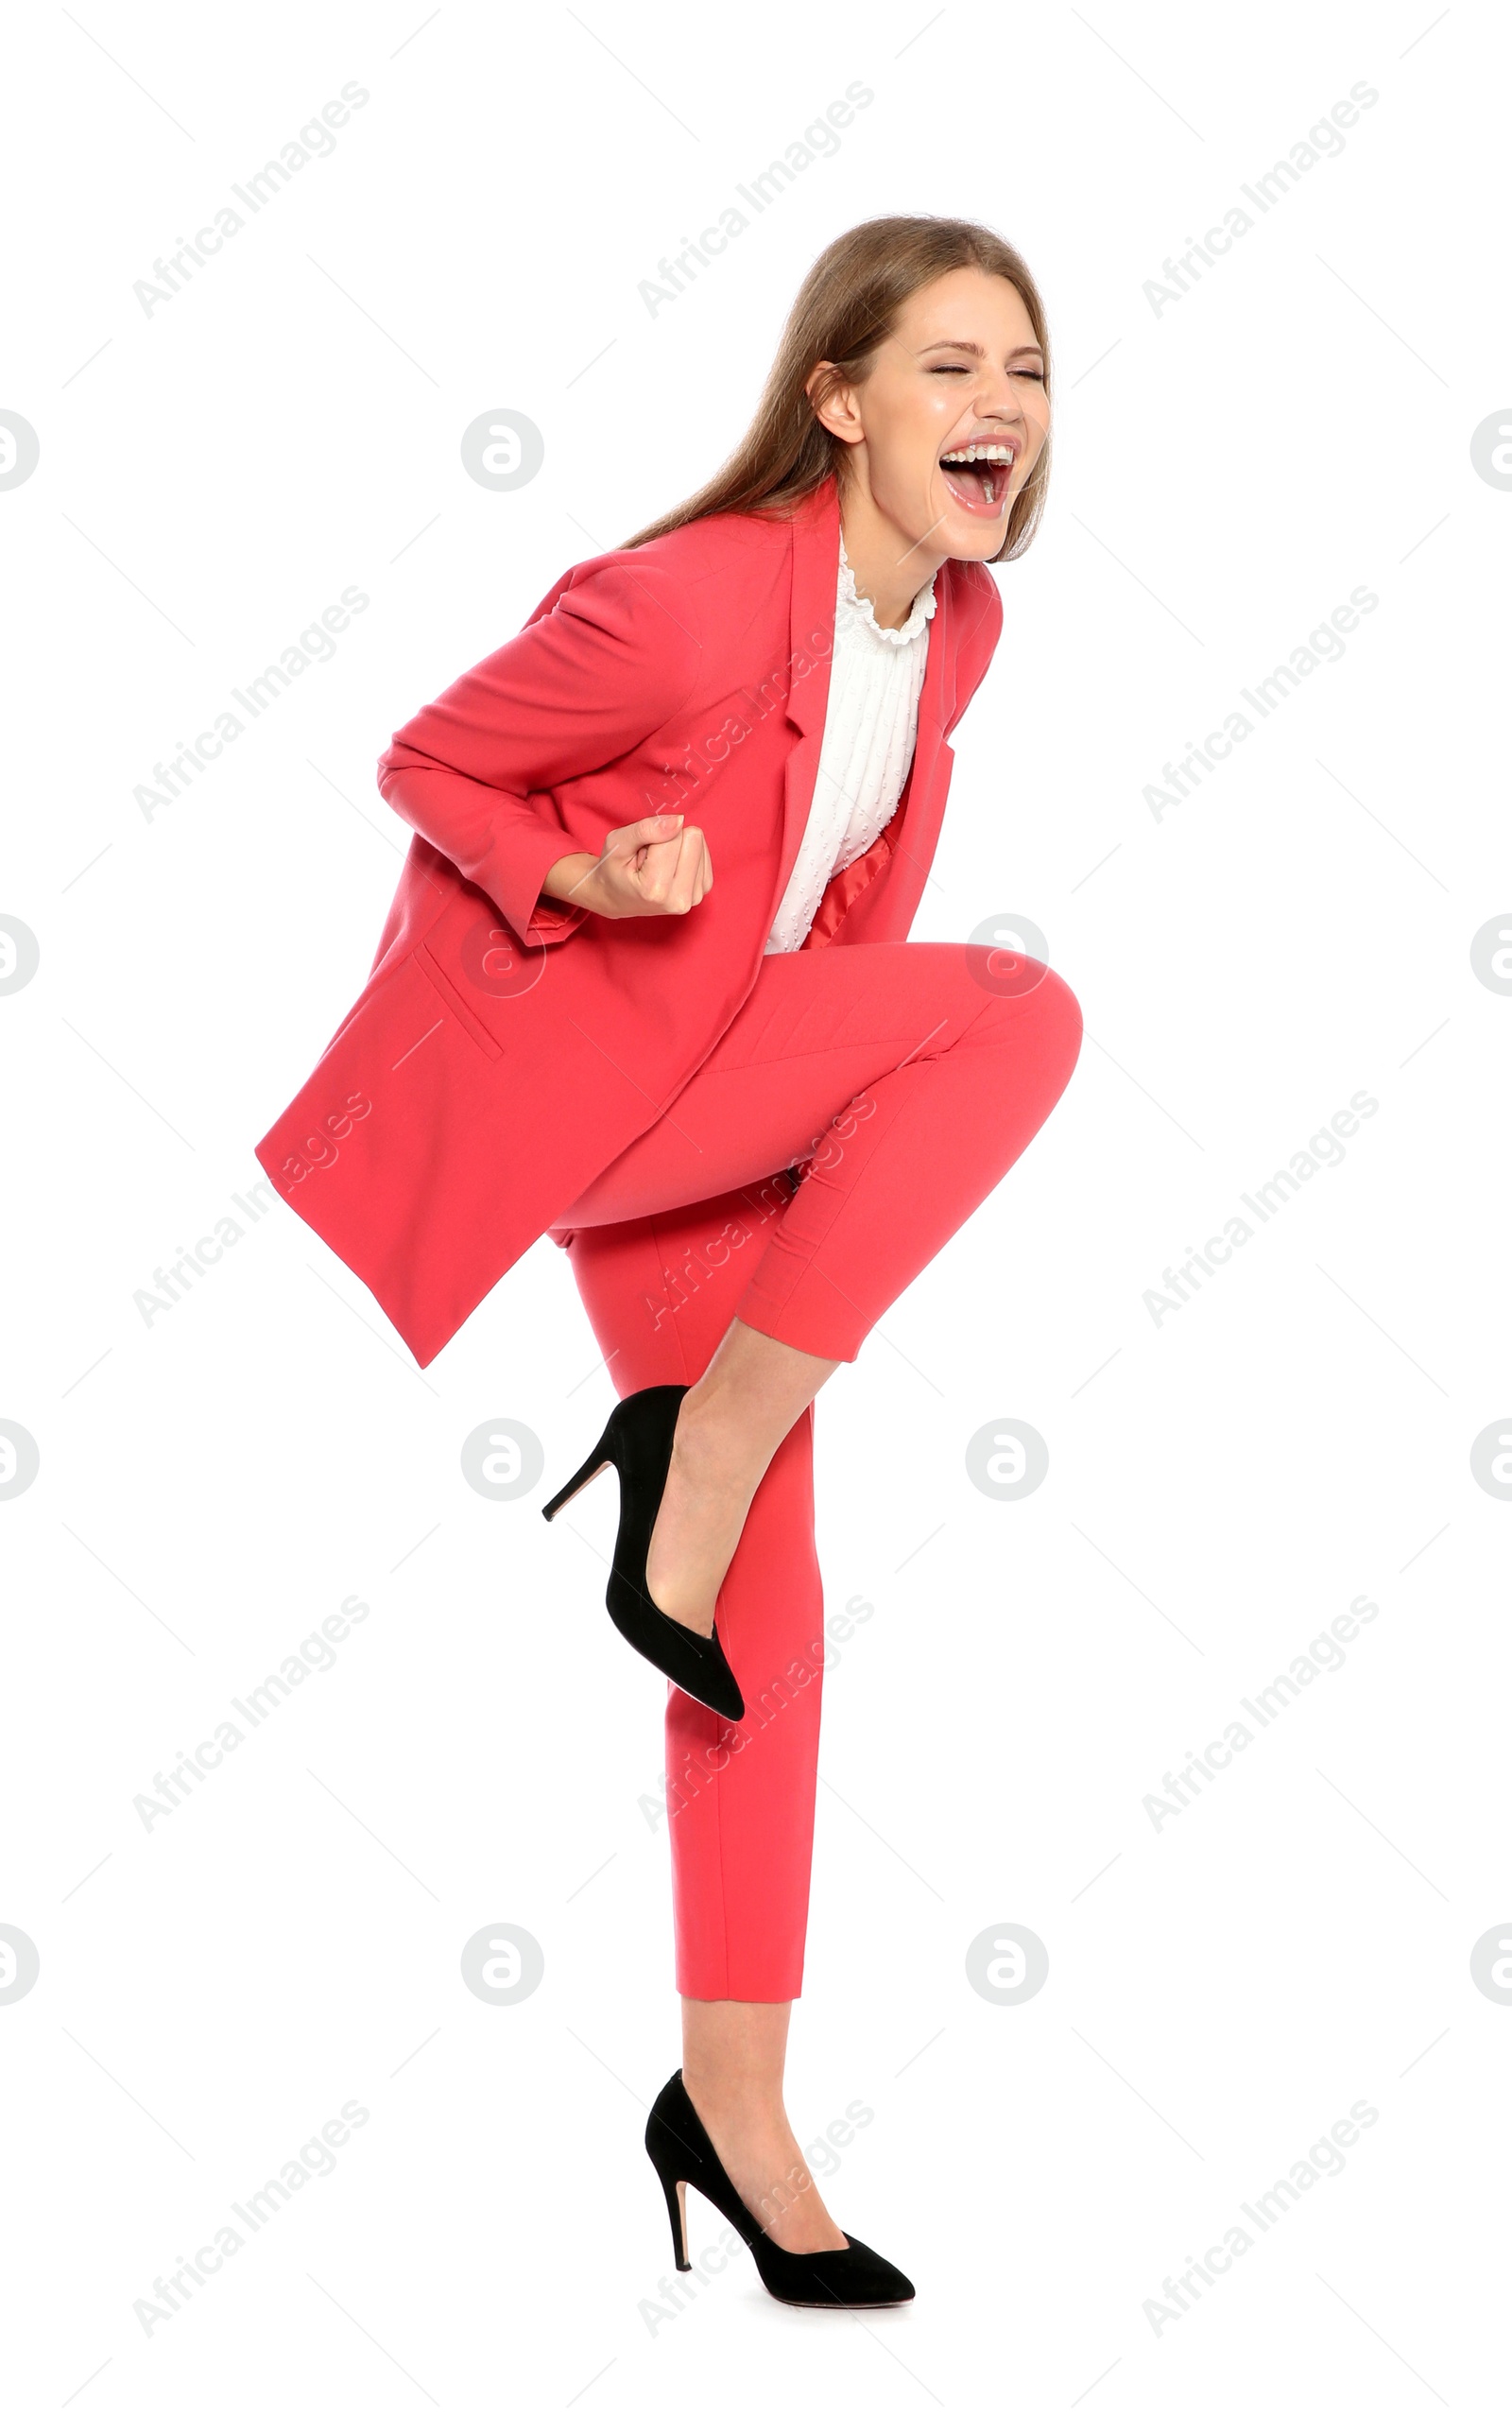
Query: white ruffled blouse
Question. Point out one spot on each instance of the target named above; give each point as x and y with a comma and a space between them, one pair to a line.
870, 723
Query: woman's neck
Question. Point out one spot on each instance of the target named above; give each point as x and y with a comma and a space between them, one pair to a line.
888, 569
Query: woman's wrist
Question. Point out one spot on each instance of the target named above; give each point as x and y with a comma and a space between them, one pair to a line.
565, 875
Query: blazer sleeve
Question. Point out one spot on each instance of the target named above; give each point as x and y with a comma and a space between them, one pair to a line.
588, 677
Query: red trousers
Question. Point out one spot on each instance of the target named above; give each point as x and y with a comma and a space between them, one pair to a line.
900, 1082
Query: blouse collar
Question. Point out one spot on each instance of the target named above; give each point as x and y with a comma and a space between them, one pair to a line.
862, 613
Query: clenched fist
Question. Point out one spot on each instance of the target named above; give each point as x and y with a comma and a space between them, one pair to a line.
656, 866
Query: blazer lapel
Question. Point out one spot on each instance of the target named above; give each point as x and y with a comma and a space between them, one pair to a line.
816, 563
919, 807
815, 538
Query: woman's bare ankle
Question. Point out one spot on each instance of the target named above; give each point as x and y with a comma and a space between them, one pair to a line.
734, 2097
749, 1398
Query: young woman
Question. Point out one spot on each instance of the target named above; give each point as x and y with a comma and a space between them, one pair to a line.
645, 987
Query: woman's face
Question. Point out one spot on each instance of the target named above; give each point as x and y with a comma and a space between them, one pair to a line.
962, 372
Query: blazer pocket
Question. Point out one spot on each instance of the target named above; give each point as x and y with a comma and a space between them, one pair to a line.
451, 998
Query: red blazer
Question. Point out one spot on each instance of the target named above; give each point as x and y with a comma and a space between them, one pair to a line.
505, 1049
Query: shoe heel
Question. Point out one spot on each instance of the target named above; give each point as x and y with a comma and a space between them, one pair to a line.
598, 1460
677, 2198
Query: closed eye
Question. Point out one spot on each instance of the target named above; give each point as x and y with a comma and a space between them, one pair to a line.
966, 368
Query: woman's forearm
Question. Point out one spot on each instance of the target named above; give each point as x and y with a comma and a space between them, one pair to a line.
565, 874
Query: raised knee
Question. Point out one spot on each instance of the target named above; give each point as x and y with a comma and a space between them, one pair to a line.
1023, 982
1062, 1013
1062, 1006
1040, 1001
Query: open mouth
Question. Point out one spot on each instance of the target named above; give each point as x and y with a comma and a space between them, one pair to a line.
977, 478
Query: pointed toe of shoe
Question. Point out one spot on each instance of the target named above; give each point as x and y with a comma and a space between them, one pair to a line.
723, 1694
694, 1663
886, 2285
854, 2276
699, 1667
711, 1684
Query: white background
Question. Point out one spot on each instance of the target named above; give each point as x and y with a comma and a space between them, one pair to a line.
1221, 1485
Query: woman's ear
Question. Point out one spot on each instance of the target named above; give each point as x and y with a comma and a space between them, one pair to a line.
833, 402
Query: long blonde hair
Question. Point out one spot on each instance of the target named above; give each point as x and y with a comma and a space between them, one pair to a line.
847, 306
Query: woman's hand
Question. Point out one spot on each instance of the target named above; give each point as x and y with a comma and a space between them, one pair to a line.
655, 866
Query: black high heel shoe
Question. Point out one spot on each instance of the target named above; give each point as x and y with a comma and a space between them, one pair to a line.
682, 2150
638, 1443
